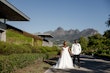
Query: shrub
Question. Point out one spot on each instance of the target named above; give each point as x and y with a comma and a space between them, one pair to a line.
45, 49
7, 48
15, 61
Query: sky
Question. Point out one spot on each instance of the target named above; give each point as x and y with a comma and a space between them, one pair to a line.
46, 15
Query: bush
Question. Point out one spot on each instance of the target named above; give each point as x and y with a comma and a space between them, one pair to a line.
22, 55
15, 61
45, 49
7, 48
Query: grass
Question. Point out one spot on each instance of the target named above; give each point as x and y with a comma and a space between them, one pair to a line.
37, 67
17, 38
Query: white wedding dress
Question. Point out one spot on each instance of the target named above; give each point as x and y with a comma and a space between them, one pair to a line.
65, 61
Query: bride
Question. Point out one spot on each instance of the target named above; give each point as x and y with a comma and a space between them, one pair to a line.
65, 60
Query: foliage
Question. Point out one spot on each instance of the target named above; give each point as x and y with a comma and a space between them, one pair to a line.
8, 48
17, 38
84, 43
15, 61
45, 49
38, 43
107, 34
95, 41
98, 45
108, 22
22, 55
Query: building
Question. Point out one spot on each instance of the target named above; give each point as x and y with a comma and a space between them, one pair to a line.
8, 12
46, 41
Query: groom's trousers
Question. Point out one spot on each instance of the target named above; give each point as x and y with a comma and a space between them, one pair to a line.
78, 59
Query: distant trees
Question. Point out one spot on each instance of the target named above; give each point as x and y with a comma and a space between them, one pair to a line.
84, 43
108, 22
91, 44
107, 34
97, 44
95, 41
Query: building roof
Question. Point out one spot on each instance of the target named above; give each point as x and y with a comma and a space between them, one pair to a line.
46, 35
11, 13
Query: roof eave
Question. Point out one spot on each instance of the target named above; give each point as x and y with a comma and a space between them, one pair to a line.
22, 16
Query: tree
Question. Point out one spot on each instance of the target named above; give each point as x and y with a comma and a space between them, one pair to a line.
95, 41
84, 43
108, 22
107, 34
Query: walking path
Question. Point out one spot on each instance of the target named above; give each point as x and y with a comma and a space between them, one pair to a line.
88, 65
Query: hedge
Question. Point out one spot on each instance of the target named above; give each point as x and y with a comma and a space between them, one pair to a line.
13, 56
7, 49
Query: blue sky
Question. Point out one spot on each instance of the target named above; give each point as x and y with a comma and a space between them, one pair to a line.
48, 15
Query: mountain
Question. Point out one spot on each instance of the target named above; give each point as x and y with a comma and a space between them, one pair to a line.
61, 34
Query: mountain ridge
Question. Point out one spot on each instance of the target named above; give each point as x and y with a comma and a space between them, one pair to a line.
71, 34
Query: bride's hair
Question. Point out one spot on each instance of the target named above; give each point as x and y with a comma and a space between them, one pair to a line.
64, 43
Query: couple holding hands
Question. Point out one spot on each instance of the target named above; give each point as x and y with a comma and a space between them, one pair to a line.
68, 56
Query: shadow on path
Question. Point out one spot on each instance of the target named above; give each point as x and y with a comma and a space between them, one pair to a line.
51, 61
89, 64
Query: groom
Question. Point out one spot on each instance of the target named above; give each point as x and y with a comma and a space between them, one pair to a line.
76, 50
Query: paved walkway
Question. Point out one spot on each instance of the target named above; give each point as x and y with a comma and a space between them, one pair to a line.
88, 65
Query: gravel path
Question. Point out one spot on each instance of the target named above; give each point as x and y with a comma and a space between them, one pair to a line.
88, 65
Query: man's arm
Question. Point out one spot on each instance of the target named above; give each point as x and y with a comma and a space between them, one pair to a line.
72, 48
80, 48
